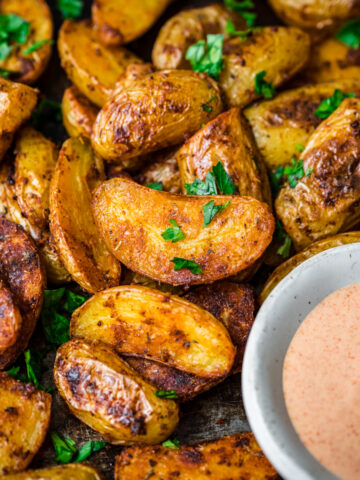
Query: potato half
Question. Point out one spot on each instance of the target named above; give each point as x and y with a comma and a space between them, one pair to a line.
104, 392
61, 472
25, 418
78, 113
131, 219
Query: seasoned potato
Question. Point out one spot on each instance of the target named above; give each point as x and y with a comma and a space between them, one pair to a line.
11, 320
288, 120
321, 245
186, 28
55, 271
72, 225
227, 138
163, 168
78, 113
61, 472
155, 112
131, 219
104, 392
121, 21
280, 51
232, 457
27, 67
25, 418
90, 65
325, 201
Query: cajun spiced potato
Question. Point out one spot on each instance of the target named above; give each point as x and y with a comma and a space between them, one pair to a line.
61, 472
163, 168
157, 111
27, 68
232, 457
11, 320
25, 418
280, 51
78, 113
104, 392
131, 219
78, 171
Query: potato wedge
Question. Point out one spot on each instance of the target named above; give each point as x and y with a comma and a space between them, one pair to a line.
321, 245
325, 201
131, 219
72, 225
27, 67
78, 113
280, 51
91, 66
186, 28
61, 472
229, 139
25, 418
55, 271
11, 319
157, 111
232, 457
104, 392
162, 168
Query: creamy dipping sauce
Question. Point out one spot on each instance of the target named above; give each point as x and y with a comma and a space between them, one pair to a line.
321, 382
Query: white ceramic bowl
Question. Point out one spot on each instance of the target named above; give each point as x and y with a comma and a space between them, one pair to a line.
275, 325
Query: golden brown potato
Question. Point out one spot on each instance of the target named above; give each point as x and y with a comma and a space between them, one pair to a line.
25, 418
11, 320
121, 21
186, 28
228, 139
232, 457
74, 471
91, 66
27, 67
104, 392
162, 168
131, 219
280, 51
55, 271
158, 111
78, 113
325, 201
72, 225
321, 245
288, 120
131, 74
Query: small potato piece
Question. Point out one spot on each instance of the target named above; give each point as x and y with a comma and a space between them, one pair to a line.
162, 168
72, 225
232, 457
157, 111
11, 320
104, 392
91, 66
325, 202
61, 472
131, 219
78, 113
280, 51
27, 68
25, 418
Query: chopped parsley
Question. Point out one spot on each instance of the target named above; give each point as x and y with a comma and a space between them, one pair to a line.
207, 57
13, 30
67, 452
166, 394
34, 366
216, 179
155, 185
36, 46
350, 33
300, 148
223, 180
231, 30
46, 110
206, 107
5, 73
262, 87
281, 235
70, 8
174, 444
292, 173
210, 210
242, 7
329, 105
181, 263
173, 234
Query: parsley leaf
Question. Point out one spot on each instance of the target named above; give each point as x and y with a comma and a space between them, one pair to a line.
66, 450
14, 372
329, 105
155, 185
174, 233
242, 7
300, 148
223, 180
166, 394
292, 173
174, 444
284, 249
87, 449
207, 57
180, 263
13, 30
202, 188
262, 87
70, 8
5, 73
46, 110
206, 107
231, 30
34, 368
350, 33
36, 46
210, 210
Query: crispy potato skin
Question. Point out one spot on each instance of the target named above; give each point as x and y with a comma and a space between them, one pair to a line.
120, 21
326, 201
157, 111
186, 28
131, 218
78, 113
321, 245
28, 68
91, 66
289, 119
228, 458
11, 320
72, 225
25, 418
280, 51
56, 273
163, 168
104, 392
61, 472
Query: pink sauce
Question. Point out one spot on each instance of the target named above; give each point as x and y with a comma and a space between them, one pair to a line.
321, 381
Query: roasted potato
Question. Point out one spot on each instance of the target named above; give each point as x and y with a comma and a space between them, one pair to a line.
78, 113
55, 271
90, 65
104, 392
288, 120
72, 225
232, 457
227, 138
121, 21
162, 168
11, 320
157, 111
74, 471
27, 67
279, 51
131, 219
25, 418
186, 28
325, 200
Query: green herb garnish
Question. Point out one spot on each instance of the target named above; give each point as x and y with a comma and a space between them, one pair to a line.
70, 8
223, 180
231, 30
14, 372
5, 73
34, 364
173, 234
36, 46
350, 33
46, 110
210, 210
155, 185
166, 394
181, 263
206, 107
300, 148
329, 105
262, 87
242, 7
281, 235
13, 30
202, 188
67, 452
174, 444
292, 173
207, 57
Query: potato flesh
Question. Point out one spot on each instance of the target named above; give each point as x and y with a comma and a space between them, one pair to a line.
61, 472
78, 113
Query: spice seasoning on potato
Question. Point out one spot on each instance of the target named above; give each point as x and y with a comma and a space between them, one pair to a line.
61, 472
78, 113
